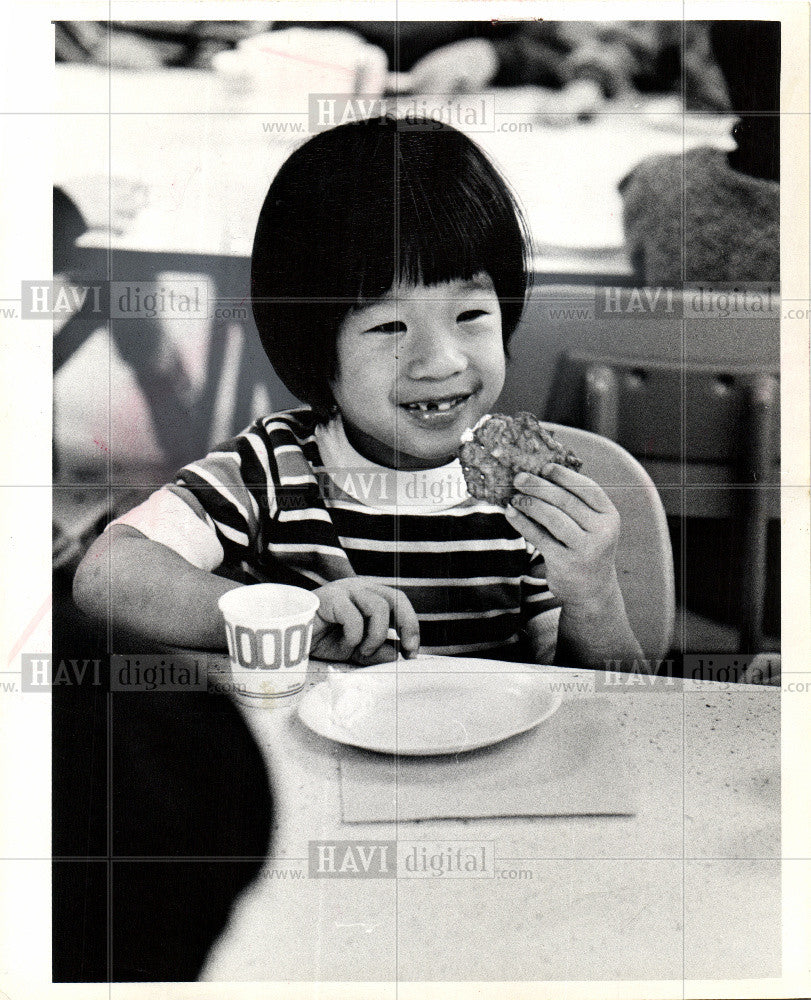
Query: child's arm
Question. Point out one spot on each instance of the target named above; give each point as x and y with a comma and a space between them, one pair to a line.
597, 635
150, 591
571, 520
153, 592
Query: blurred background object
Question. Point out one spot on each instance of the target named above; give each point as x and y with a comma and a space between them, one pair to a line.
108, 204
748, 53
289, 64
619, 56
150, 44
693, 218
707, 216
588, 62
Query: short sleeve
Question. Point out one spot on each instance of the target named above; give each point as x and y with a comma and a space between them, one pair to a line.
174, 519
231, 490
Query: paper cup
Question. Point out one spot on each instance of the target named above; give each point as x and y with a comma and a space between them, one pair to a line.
269, 627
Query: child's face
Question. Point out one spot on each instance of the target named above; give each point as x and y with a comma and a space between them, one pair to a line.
417, 367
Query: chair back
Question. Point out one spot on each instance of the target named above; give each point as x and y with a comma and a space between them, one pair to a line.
644, 554
708, 435
655, 324
690, 424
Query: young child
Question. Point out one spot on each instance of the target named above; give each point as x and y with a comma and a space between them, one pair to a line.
388, 273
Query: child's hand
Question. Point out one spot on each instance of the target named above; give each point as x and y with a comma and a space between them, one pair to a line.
569, 518
354, 617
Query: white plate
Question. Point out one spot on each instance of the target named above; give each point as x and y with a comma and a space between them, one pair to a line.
429, 705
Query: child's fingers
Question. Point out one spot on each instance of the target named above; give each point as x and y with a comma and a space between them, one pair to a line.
533, 486
536, 534
405, 617
376, 610
387, 653
341, 611
406, 621
581, 486
365, 612
559, 525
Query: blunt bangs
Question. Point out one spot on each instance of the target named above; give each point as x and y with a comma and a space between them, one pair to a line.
362, 207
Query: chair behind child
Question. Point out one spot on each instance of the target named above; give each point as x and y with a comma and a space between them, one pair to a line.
644, 555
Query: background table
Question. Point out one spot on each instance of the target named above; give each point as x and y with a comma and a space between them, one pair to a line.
688, 887
209, 156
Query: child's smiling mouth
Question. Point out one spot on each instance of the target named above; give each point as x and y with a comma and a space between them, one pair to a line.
437, 411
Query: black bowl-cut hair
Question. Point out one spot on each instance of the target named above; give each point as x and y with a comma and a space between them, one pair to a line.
366, 205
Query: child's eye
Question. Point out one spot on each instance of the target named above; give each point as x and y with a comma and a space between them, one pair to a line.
470, 314
395, 326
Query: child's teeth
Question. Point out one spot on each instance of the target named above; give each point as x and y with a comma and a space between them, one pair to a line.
433, 407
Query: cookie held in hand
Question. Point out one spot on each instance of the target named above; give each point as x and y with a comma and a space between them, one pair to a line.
499, 447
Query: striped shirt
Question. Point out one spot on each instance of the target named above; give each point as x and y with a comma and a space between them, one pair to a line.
291, 501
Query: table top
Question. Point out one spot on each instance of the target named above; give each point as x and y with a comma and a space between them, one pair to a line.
689, 886
209, 155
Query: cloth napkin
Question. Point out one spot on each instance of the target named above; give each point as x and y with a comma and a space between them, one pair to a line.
573, 763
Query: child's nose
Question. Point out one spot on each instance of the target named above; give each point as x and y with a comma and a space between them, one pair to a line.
435, 354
